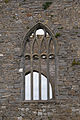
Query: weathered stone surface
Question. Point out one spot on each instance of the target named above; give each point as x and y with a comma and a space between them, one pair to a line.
16, 19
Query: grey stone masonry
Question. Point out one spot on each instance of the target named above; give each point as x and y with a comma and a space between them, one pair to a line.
17, 18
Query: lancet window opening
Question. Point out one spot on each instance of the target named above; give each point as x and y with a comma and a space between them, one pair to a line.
39, 56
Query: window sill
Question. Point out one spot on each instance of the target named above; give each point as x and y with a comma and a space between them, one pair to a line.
38, 101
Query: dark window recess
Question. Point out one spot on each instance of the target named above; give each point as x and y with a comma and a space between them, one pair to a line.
27, 57
35, 57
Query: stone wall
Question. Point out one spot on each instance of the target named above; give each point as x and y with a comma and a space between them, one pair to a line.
16, 19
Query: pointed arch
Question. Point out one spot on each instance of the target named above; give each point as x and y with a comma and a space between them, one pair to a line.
32, 30
51, 46
43, 47
41, 57
28, 47
35, 46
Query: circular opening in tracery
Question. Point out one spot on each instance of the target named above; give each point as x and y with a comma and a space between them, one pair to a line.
51, 56
40, 32
43, 56
27, 57
32, 35
35, 57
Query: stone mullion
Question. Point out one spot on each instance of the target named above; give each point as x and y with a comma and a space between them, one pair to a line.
44, 33
49, 68
31, 75
31, 78
48, 96
23, 74
39, 70
32, 65
47, 77
32, 68
48, 90
39, 76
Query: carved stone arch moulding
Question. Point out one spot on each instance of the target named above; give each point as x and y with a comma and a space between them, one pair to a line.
39, 54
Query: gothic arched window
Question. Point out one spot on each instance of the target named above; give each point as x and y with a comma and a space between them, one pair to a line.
36, 87
39, 64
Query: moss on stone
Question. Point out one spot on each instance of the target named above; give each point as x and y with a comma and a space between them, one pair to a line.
6, 1
75, 62
27, 27
46, 5
52, 15
14, 17
57, 35
60, 27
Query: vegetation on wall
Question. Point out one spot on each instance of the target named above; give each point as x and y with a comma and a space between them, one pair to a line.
14, 17
6, 1
74, 62
27, 27
60, 28
52, 15
57, 35
46, 5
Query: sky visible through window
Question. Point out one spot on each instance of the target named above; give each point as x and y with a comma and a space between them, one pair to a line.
36, 82
40, 32
36, 87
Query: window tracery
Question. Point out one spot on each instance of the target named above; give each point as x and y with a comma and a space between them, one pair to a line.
40, 57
